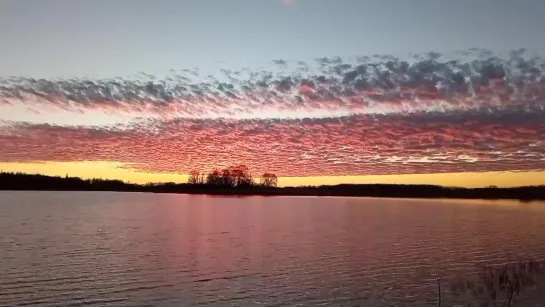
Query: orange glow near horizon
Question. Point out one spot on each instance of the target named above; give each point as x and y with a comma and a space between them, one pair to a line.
112, 170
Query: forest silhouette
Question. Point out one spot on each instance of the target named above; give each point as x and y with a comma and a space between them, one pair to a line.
237, 180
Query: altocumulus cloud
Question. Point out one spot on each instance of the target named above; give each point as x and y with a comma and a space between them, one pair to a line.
378, 115
354, 145
378, 83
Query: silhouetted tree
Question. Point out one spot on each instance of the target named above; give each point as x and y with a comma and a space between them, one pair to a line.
214, 178
269, 180
195, 177
226, 179
240, 176
233, 176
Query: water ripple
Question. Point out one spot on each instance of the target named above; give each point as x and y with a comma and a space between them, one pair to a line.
123, 249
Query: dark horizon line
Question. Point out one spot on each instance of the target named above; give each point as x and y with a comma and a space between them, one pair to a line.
38, 182
2, 172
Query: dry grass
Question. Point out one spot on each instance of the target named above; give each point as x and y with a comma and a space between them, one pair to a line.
500, 285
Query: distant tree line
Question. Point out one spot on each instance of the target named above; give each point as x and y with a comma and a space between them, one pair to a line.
237, 176
22, 181
238, 181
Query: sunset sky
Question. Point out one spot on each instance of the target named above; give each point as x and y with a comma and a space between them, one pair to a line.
315, 91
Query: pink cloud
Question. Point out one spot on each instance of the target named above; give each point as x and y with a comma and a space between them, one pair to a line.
355, 145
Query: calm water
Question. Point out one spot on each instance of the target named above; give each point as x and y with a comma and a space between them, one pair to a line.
131, 249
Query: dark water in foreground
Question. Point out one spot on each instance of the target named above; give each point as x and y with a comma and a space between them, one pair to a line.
130, 249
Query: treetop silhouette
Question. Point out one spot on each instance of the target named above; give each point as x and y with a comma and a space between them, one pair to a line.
237, 176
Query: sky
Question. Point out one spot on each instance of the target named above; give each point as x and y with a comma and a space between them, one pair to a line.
315, 91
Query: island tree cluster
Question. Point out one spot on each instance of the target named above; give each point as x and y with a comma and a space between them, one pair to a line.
232, 177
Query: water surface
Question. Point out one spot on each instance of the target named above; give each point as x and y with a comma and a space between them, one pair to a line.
135, 249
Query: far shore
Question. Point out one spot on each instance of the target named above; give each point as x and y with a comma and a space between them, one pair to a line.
28, 182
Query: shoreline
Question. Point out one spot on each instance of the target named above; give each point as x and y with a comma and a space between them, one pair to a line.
276, 192
37, 182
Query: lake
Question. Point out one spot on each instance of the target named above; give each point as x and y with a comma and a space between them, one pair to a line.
137, 249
